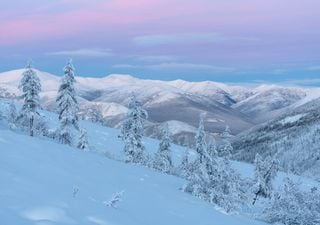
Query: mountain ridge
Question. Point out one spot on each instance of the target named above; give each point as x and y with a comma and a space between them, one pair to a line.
240, 107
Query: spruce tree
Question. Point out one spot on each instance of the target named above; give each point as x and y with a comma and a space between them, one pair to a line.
199, 179
83, 143
30, 87
185, 167
132, 132
200, 141
225, 149
12, 116
163, 161
212, 148
265, 172
67, 106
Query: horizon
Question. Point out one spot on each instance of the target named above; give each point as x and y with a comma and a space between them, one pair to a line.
191, 40
311, 83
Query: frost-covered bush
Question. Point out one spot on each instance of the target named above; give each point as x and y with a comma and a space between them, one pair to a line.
115, 199
292, 206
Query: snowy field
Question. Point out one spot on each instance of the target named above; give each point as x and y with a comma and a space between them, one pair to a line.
45, 183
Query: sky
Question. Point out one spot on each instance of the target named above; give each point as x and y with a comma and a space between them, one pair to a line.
220, 40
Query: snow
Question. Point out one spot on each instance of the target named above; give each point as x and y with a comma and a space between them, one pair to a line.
39, 177
291, 119
176, 127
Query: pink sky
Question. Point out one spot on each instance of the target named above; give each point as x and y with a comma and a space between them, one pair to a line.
232, 33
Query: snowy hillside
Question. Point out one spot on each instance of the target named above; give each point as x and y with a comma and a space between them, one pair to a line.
44, 182
105, 99
269, 101
293, 138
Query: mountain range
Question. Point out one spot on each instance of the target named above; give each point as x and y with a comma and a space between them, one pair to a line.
177, 103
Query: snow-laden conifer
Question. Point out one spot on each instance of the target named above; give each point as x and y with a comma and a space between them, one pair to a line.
132, 132
200, 141
12, 116
30, 86
265, 172
225, 149
67, 106
83, 142
185, 166
162, 160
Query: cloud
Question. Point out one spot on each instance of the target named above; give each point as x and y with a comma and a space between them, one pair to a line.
189, 66
177, 67
155, 58
186, 38
313, 68
303, 82
280, 71
86, 52
126, 66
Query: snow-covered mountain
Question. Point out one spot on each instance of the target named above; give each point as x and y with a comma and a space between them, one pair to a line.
106, 99
268, 101
294, 138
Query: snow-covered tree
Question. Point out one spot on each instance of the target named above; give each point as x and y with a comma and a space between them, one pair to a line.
214, 180
265, 172
92, 113
200, 141
290, 205
225, 185
162, 160
83, 142
132, 132
30, 86
67, 106
12, 116
212, 148
185, 166
198, 181
199, 178
225, 149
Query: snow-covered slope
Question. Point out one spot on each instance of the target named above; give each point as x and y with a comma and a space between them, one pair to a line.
269, 101
293, 137
46, 183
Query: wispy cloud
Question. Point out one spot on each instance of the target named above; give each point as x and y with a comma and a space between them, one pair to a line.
126, 66
177, 67
155, 58
86, 52
280, 71
186, 38
303, 82
314, 68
